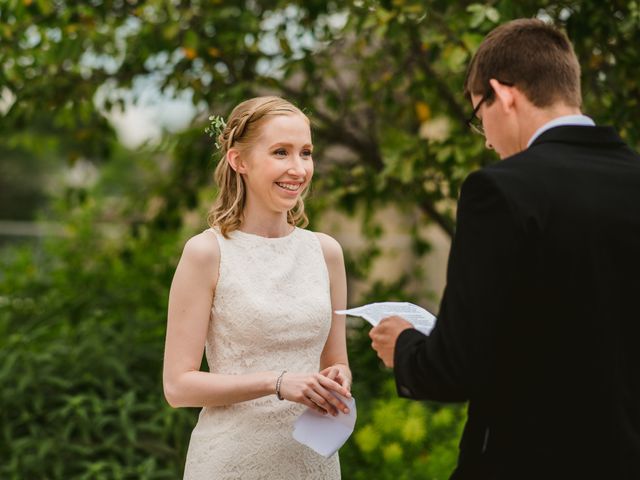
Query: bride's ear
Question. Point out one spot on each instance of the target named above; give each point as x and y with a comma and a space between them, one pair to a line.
236, 161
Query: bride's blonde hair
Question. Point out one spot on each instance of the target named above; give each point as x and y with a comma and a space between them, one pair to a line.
241, 131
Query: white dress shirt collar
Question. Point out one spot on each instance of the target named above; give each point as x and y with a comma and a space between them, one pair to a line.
564, 120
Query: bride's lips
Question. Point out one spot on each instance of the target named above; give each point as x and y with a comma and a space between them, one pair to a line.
291, 188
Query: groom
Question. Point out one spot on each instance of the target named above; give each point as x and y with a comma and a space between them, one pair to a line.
539, 326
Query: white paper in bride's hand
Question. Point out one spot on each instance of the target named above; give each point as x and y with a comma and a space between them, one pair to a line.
421, 319
325, 433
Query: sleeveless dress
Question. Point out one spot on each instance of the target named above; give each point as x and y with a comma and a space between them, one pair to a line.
271, 311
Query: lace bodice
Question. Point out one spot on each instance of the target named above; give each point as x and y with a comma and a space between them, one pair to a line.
271, 311
272, 308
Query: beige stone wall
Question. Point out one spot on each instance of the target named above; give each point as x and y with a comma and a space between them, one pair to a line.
397, 256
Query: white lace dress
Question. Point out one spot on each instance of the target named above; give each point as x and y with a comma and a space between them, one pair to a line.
271, 311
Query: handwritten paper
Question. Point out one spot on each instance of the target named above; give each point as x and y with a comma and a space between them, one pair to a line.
421, 319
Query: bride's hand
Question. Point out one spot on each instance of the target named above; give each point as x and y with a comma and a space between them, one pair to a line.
339, 373
314, 391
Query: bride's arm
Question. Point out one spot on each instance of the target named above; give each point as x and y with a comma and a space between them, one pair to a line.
333, 361
190, 301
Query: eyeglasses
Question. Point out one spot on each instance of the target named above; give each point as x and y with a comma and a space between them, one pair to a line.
474, 122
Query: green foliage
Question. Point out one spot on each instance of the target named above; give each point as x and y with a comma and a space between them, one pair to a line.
381, 79
398, 438
215, 127
81, 338
82, 317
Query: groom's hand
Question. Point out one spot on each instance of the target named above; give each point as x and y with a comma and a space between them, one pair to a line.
384, 337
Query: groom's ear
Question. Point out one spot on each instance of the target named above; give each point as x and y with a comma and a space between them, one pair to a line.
236, 161
505, 95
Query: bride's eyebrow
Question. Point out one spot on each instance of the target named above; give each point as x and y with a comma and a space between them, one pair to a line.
290, 145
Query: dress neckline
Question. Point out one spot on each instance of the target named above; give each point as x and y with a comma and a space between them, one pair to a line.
260, 238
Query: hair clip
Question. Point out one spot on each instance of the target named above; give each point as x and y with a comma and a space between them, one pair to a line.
215, 128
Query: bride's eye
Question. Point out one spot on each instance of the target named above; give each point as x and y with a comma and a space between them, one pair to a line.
281, 152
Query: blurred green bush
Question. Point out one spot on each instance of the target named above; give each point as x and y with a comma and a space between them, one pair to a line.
81, 339
82, 323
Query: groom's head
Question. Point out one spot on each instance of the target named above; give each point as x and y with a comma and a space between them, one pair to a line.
534, 56
527, 62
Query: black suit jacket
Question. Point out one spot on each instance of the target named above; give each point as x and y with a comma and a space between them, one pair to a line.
539, 326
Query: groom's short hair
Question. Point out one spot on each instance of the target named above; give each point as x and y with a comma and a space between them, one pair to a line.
532, 55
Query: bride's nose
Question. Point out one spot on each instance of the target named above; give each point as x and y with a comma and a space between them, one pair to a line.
296, 168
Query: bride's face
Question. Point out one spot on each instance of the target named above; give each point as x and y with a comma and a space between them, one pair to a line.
278, 167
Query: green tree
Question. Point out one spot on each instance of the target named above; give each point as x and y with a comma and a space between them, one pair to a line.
381, 78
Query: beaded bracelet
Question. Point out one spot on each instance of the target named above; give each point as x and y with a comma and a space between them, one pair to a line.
278, 383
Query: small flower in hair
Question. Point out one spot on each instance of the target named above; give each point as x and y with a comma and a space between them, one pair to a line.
215, 128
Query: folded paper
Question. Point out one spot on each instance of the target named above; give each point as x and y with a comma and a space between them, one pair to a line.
325, 433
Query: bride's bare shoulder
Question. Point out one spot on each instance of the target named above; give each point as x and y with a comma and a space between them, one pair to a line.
202, 247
